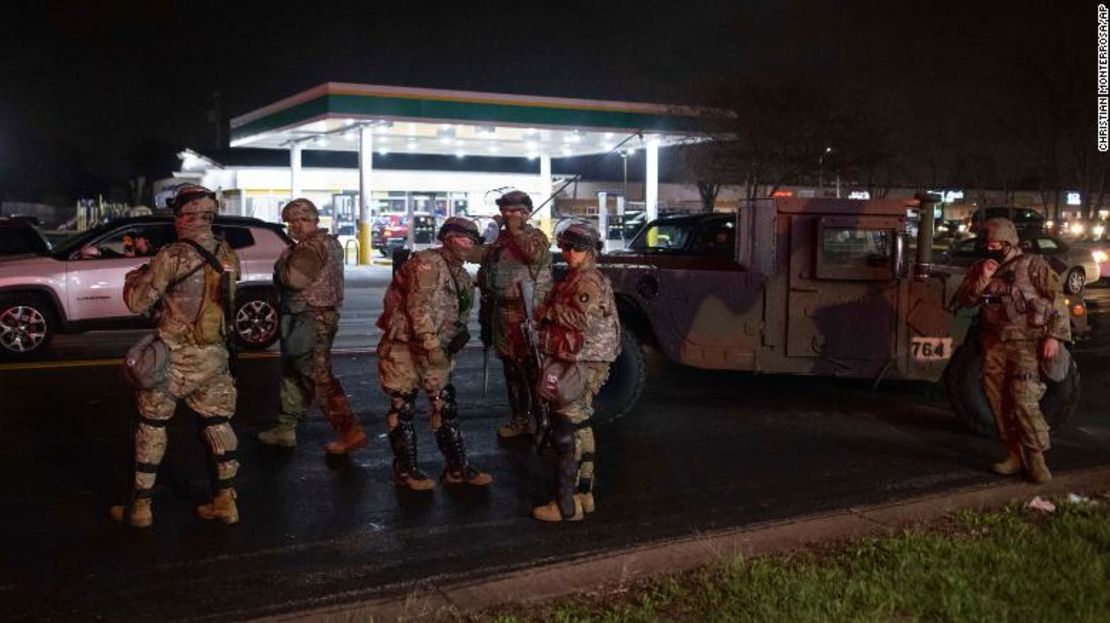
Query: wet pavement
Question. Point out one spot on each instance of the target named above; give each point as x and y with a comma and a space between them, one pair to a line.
702, 451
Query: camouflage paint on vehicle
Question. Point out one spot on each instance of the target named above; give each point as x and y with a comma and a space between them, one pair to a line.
814, 287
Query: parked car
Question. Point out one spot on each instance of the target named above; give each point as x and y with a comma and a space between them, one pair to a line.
19, 237
1077, 266
391, 231
78, 287
1024, 219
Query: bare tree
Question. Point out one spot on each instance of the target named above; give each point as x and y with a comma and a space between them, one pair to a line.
762, 135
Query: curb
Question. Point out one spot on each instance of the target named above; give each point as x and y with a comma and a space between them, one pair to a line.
685, 553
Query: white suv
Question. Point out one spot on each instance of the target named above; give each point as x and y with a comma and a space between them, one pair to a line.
79, 286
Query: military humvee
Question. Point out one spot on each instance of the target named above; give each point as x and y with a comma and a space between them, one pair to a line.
802, 286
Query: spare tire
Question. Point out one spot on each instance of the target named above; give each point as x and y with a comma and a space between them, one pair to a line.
625, 384
963, 383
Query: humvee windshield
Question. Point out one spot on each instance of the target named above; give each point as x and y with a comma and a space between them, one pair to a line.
715, 236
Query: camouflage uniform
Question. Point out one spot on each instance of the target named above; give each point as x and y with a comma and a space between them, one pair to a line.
1017, 310
424, 320
578, 324
191, 326
310, 278
521, 255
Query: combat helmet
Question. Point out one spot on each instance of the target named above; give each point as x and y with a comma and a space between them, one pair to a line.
515, 197
188, 193
299, 208
1000, 229
579, 235
459, 226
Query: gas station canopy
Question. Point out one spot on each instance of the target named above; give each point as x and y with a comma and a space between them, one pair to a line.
460, 123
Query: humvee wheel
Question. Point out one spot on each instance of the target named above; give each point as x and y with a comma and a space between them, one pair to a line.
626, 382
963, 382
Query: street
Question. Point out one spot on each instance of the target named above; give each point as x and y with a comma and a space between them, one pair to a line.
702, 451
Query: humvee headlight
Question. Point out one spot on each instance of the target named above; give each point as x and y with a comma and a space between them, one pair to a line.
963, 228
1100, 257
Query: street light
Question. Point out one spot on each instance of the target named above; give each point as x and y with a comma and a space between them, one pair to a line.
821, 172
625, 154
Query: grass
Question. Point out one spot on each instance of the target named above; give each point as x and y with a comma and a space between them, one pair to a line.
1010, 565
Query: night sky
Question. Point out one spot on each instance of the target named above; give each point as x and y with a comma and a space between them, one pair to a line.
92, 93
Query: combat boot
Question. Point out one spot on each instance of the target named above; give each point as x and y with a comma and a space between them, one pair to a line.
550, 512
587, 501
467, 475
405, 472
278, 436
516, 428
354, 439
1012, 464
412, 478
140, 517
222, 507
1037, 469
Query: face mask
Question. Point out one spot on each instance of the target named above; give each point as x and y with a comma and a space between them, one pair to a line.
998, 255
194, 225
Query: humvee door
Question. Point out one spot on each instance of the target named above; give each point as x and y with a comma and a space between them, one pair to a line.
843, 295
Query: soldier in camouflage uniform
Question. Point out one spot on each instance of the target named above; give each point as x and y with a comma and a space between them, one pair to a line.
191, 324
1017, 296
309, 276
424, 326
580, 331
520, 253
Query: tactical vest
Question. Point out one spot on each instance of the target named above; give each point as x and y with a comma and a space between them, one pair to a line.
506, 270
194, 305
327, 289
449, 307
1011, 301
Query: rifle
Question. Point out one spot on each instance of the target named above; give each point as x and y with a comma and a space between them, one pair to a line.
531, 335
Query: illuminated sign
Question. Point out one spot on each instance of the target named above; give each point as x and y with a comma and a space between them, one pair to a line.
1073, 199
783, 193
948, 196
859, 194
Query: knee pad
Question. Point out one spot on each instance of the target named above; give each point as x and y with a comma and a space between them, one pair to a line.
406, 411
219, 435
450, 409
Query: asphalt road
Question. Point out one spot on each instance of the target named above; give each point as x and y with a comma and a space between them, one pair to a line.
703, 450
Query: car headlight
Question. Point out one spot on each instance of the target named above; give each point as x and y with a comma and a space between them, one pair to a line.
1097, 230
1077, 229
963, 227
1100, 257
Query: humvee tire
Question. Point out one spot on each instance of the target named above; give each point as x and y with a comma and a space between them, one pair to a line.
963, 382
626, 382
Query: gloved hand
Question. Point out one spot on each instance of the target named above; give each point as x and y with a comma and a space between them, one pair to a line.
433, 352
437, 358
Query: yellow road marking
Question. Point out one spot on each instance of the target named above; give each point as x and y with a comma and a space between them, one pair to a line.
92, 363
